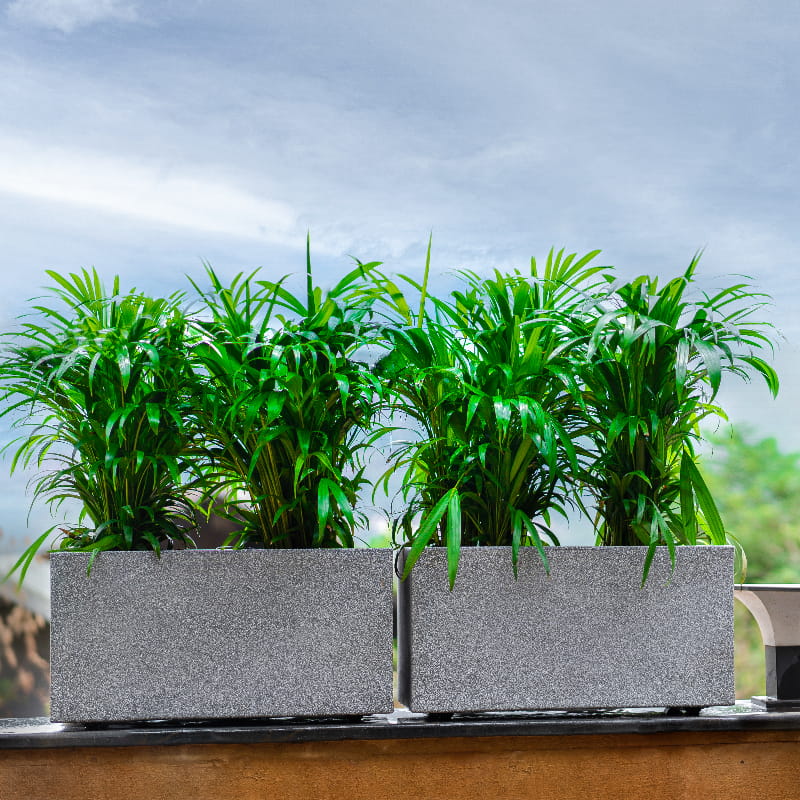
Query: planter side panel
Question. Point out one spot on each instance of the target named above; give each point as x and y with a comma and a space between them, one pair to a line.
221, 634
586, 636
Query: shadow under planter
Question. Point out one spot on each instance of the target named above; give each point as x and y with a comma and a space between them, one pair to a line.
776, 608
588, 635
202, 634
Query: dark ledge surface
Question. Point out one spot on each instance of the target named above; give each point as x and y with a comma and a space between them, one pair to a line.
39, 732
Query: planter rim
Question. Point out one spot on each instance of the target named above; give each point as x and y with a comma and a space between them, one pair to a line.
165, 552
601, 547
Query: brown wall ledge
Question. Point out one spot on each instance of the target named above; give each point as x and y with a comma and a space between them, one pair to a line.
723, 754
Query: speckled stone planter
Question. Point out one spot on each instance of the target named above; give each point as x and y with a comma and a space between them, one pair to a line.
203, 634
586, 636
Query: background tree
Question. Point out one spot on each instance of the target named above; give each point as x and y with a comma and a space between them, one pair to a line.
757, 489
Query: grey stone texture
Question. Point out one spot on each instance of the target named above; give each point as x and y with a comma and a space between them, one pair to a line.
202, 634
586, 636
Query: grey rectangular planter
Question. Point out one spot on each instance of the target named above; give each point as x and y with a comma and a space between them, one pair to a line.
200, 634
586, 636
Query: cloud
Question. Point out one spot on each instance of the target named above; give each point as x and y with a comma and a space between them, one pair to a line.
68, 16
142, 190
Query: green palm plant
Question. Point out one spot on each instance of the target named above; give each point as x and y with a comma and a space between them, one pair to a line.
288, 405
657, 359
489, 377
99, 384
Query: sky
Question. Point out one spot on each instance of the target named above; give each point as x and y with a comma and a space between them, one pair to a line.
145, 138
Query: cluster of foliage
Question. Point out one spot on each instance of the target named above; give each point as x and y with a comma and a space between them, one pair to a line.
490, 376
287, 404
99, 383
658, 364
525, 392
149, 412
532, 391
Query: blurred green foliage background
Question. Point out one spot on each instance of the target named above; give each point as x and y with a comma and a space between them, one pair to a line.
757, 489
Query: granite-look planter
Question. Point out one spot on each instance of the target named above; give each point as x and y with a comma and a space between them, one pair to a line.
201, 634
587, 636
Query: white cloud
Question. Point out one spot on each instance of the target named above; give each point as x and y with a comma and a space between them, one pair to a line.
70, 15
142, 190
